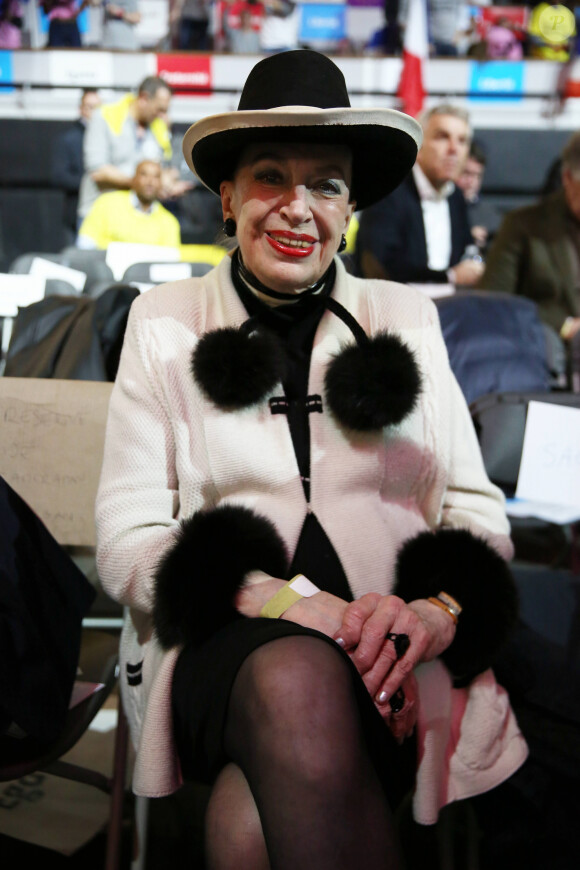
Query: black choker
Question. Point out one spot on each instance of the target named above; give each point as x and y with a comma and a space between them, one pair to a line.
240, 268
368, 385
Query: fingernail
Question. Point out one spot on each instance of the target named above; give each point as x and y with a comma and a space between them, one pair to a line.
340, 642
383, 697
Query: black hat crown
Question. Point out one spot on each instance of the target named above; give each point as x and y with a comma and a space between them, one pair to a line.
295, 78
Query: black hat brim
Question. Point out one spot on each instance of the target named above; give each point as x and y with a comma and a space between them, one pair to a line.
383, 153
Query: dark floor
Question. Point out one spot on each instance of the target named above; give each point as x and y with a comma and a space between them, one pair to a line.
175, 831
547, 842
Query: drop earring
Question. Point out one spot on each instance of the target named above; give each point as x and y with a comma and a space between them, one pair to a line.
342, 245
229, 227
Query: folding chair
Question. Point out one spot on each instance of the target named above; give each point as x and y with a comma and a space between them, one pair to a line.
159, 273
497, 343
58, 287
92, 263
21, 265
500, 422
57, 475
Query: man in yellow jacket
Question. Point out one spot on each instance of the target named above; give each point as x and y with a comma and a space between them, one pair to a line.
131, 215
122, 134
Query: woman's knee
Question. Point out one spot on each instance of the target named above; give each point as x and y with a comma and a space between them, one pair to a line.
294, 698
293, 676
233, 831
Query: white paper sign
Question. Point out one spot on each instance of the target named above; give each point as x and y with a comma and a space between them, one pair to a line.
49, 269
18, 291
121, 255
550, 466
161, 272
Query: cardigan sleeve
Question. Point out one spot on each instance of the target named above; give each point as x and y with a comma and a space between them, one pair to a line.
137, 501
470, 501
465, 550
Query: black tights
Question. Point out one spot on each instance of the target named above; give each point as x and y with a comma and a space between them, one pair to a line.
293, 733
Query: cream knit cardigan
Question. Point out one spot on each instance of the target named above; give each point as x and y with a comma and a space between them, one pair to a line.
169, 452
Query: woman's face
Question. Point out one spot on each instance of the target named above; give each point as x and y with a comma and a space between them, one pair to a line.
291, 207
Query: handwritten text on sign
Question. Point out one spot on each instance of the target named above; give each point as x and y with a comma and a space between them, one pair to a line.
550, 466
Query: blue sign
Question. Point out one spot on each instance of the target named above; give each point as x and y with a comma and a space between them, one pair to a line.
499, 79
324, 21
6, 74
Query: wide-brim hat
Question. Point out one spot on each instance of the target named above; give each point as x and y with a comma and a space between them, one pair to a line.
301, 96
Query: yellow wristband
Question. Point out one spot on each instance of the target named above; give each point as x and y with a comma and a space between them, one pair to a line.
280, 602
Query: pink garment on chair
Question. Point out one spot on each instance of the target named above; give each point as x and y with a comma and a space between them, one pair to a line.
63, 10
10, 34
503, 44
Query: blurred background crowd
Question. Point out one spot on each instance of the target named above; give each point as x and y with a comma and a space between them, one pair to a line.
455, 27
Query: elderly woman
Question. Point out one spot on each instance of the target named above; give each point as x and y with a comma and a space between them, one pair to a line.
295, 509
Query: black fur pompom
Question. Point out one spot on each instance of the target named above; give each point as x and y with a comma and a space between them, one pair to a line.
373, 384
236, 369
468, 569
197, 579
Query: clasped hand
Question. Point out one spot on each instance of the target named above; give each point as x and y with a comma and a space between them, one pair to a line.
361, 628
366, 626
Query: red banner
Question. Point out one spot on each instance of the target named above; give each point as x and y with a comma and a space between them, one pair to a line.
515, 18
186, 73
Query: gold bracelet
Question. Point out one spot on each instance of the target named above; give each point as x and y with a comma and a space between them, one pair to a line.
444, 607
452, 603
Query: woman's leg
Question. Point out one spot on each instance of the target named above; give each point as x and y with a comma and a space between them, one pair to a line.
293, 729
234, 836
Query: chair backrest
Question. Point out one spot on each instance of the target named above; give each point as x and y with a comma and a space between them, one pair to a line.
160, 273
57, 287
496, 343
21, 265
92, 263
500, 423
51, 448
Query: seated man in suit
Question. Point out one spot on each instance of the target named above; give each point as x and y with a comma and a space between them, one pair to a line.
536, 252
131, 215
419, 233
484, 217
67, 160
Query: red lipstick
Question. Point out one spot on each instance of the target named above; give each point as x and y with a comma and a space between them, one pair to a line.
303, 244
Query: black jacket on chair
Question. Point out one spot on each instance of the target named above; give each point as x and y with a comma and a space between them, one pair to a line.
43, 598
393, 231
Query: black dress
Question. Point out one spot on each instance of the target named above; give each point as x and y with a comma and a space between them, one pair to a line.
204, 675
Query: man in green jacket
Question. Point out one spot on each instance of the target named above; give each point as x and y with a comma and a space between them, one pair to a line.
536, 252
